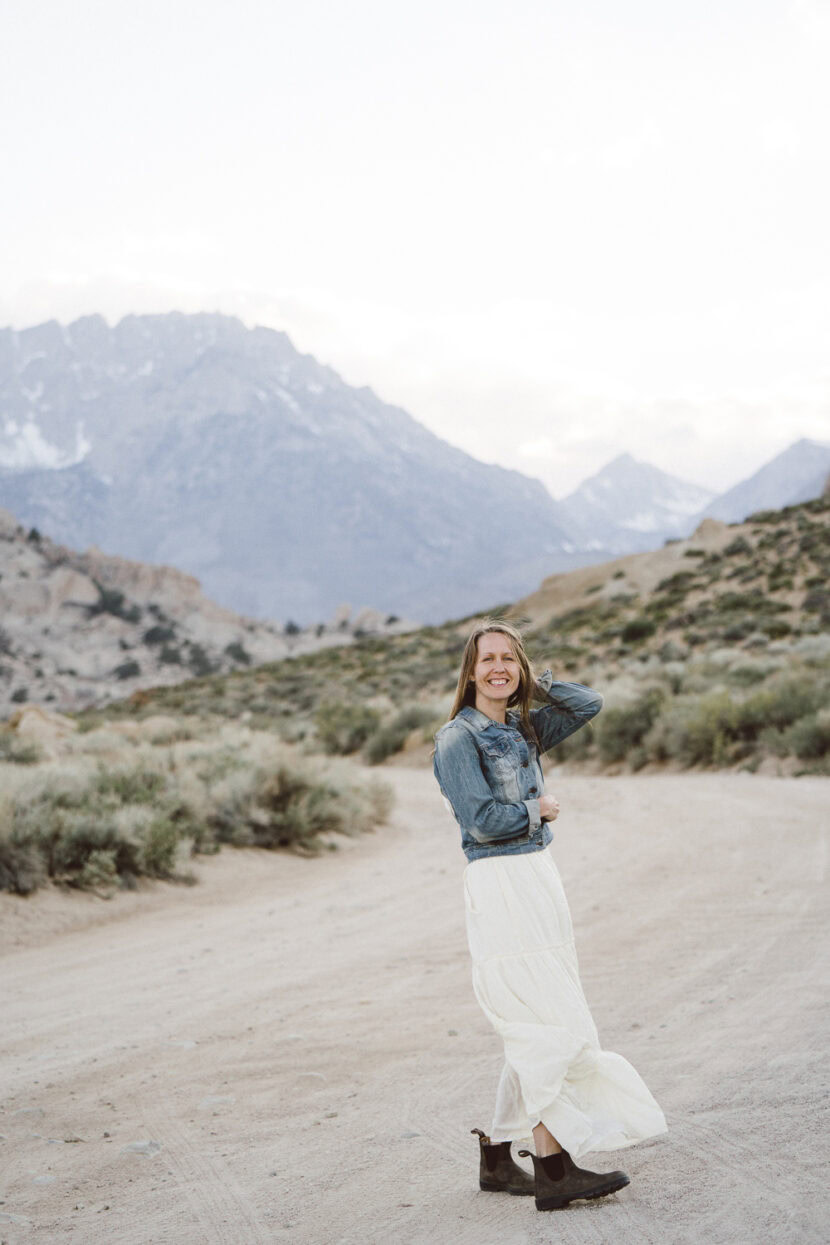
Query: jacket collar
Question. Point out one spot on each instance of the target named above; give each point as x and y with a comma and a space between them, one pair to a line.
480, 721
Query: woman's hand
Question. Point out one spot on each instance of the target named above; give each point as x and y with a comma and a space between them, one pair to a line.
548, 808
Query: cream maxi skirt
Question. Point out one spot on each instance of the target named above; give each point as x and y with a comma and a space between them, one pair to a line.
526, 978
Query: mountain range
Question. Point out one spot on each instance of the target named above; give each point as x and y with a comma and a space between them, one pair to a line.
194, 441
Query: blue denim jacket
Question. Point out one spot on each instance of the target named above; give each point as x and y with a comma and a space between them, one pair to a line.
491, 775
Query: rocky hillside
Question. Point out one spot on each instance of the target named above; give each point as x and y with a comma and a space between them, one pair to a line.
195, 442
81, 629
713, 650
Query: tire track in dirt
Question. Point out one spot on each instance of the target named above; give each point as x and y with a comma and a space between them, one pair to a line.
219, 1205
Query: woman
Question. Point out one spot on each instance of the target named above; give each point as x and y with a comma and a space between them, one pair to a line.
556, 1081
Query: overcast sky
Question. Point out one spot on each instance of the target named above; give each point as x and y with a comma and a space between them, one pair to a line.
552, 231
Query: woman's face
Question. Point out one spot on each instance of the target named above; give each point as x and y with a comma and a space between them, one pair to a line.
496, 673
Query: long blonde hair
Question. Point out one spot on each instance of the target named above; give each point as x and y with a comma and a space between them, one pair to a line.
465, 692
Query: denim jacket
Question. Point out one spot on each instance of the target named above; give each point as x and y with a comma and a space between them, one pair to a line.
490, 773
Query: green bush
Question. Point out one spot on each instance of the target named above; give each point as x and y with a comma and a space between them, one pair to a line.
22, 867
775, 628
391, 737
290, 807
343, 728
693, 730
158, 635
17, 750
129, 785
577, 747
159, 847
809, 737
107, 828
620, 730
127, 670
99, 873
747, 676
199, 661
113, 601
238, 653
782, 702
680, 581
637, 629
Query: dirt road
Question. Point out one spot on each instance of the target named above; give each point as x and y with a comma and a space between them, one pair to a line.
291, 1051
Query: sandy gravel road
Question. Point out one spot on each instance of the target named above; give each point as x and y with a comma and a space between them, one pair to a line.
291, 1051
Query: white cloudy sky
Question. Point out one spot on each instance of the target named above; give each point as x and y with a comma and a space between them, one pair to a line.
552, 231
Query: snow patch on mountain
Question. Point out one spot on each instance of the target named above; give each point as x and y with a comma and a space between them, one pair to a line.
631, 505
25, 448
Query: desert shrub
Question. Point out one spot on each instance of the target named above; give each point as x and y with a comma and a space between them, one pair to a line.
623, 728
17, 750
127, 670
747, 676
637, 629
199, 661
126, 785
288, 806
777, 705
159, 847
693, 730
817, 601
104, 828
739, 630
739, 545
343, 728
238, 653
170, 656
576, 747
99, 873
113, 601
680, 581
775, 628
82, 834
715, 729
391, 737
21, 864
158, 635
809, 737
171, 732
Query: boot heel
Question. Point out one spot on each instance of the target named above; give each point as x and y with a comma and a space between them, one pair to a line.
551, 1203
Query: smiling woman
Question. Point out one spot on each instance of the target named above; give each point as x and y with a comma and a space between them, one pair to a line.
557, 1083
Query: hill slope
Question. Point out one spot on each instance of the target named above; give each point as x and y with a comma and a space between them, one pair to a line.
81, 629
713, 650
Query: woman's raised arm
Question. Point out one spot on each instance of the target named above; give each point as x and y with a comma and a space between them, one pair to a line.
567, 707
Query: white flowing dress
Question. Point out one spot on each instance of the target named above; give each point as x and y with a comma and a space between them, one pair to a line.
526, 978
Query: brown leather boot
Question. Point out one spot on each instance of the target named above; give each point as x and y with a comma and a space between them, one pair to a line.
497, 1173
559, 1181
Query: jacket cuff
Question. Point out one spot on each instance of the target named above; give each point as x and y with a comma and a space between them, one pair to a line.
534, 817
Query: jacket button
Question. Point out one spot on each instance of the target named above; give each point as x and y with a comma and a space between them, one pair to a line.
524, 764
532, 791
